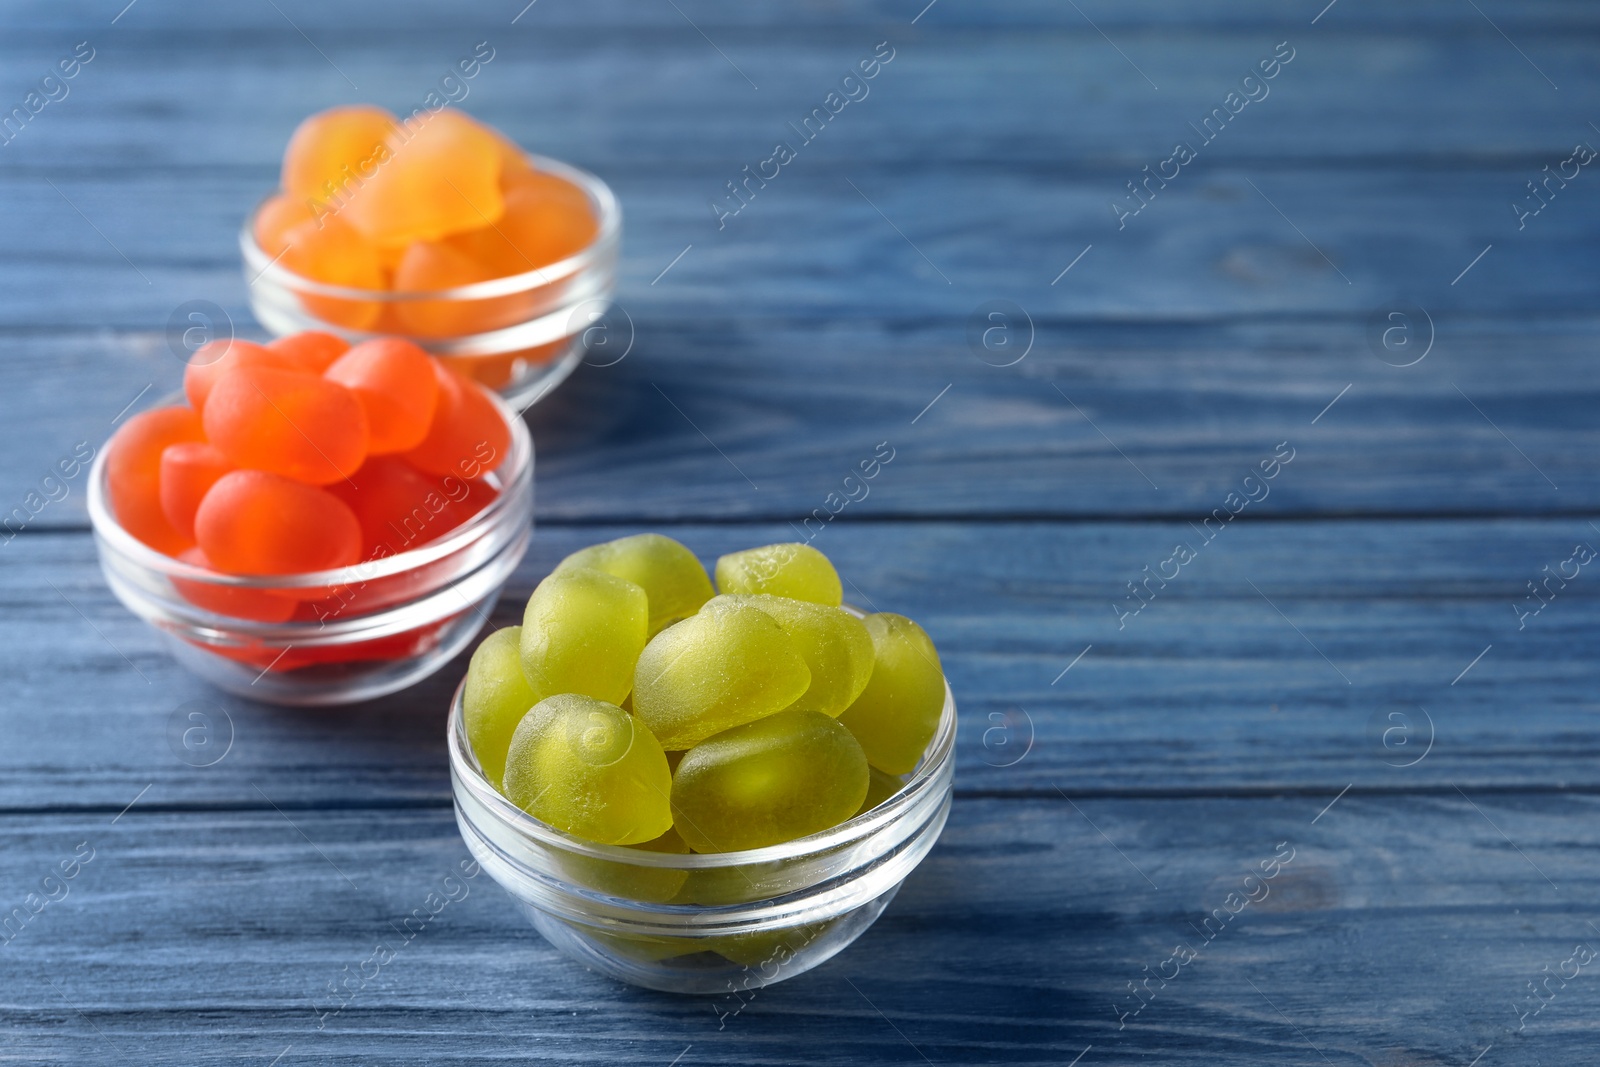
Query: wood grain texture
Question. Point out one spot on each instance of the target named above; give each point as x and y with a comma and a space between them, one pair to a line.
1208, 690
209, 936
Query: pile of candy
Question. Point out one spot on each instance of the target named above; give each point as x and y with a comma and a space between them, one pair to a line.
439, 201
303, 455
634, 707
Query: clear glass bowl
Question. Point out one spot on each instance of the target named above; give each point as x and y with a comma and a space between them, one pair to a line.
338, 636
528, 331
716, 923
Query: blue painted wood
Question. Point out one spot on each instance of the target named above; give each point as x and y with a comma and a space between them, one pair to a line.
1251, 701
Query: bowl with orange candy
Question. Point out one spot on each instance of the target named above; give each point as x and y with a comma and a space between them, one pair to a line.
313, 522
440, 229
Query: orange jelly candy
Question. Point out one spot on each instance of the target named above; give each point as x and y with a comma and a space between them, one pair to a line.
188, 470
443, 176
399, 507
468, 437
256, 604
334, 253
276, 218
546, 219
394, 381
287, 422
255, 522
133, 473
332, 153
313, 350
211, 361
432, 265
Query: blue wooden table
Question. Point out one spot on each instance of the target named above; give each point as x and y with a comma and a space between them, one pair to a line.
1238, 363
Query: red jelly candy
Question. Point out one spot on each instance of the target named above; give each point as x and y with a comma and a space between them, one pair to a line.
313, 350
212, 361
133, 474
255, 522
288, 422
395, 383
188, 470
468, 437
400, 507
256, 604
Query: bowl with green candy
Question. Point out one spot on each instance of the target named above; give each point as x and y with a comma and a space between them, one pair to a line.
698, 789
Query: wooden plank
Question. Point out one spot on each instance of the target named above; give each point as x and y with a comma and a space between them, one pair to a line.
1286, 657
1065, 432
656, 97
202, 936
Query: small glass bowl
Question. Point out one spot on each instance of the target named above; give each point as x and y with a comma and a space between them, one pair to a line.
714, 923
529, 330
327, 637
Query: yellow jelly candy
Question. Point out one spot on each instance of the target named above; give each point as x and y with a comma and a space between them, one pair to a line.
582, 633
496, 698
441, 176
792, 570
834, 644
629, 881
671, 575
589, 768
896, 714
880, 787
723, 667
785, 776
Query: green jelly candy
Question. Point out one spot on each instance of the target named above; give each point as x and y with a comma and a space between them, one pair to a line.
896, 714
792, 570
589, 768
726, 666
496, 698
834, 644
785, 776
669, 573
583, 632
655, 885
769, 948
880, 787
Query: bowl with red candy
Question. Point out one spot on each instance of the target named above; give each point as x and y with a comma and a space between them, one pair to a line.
313, 522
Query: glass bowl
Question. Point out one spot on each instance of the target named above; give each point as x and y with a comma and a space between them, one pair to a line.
521, 334
327, 637
715, 923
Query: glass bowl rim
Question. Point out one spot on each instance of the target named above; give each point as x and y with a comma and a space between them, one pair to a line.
936, 758
108, 528
609, 218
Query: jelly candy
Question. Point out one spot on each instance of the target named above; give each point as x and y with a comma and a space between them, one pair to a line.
791, 570
295, 424
188, 470
274, 220
442, 176
546, 219
721, 668
133, 473
394, 381
785, 776
589, 768
880, 787
215, 358
255, 522
634, 881
332, 252
896, 715
672, 577
582, 633
313, 350
258, 605
468, 436
332, 153
400, 508
496, 697
429, 266
834, 644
